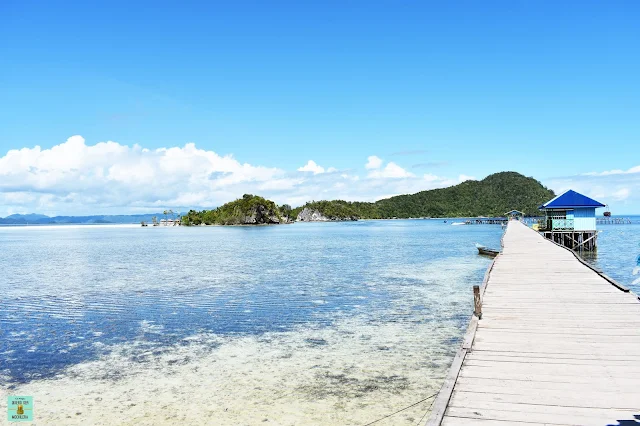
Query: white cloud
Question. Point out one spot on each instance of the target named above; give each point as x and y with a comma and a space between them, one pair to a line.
312, 167
373, 162
431, 178
74, 178
618, 188
621, 194
463, 178
632, 170
621, 191
108, 174
391, 170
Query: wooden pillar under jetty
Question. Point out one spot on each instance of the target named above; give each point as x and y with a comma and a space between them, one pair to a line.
558, 342
574, 240
477, 301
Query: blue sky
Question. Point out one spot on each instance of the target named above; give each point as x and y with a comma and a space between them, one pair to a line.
442, 91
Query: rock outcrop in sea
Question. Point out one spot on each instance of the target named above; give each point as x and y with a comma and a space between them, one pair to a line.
261, 215
311, 215
248, 210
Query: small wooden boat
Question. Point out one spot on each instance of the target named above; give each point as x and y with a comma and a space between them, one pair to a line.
486, 251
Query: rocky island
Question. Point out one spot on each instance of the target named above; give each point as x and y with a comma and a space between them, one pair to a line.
248, 210
319, 214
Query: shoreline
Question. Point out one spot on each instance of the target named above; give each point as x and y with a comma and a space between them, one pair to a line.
71, 225
137, 225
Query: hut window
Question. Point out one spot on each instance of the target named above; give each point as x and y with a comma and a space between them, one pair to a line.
557, 214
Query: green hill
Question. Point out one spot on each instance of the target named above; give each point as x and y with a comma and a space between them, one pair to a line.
248, 210
492, 196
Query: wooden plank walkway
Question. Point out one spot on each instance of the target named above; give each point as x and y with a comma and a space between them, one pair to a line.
557, 344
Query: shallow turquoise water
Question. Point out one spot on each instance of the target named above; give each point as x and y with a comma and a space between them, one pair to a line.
70, 294
619, 253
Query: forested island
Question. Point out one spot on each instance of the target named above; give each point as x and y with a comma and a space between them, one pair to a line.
492, 196
248, 210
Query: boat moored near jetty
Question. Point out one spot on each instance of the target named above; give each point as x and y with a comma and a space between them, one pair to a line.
486, 251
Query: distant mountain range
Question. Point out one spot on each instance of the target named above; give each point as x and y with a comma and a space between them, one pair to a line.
40, 219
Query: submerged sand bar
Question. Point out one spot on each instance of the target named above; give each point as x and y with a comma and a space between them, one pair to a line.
557, 344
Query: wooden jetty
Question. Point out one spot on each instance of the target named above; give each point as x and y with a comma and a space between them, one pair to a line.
553, 342
486, 221
497, 220
608, 220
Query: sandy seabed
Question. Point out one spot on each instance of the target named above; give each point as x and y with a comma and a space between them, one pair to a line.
349, 374
351, 371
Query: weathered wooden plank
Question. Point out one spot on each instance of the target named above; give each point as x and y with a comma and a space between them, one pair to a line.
512, 413
511, 319
507, 293
631, 349
558, 378
581, 399
489, 334
462, 421
601, 385
551, 355
472, 399
550, 341
509, 302
545, 359
587, 398
569, 331
550, 368
571, 294
566, 370
565, 309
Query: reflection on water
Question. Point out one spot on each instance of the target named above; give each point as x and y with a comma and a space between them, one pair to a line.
330, 323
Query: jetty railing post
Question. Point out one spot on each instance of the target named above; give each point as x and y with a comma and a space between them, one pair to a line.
477, 302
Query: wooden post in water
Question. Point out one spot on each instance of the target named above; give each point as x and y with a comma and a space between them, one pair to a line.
477, 303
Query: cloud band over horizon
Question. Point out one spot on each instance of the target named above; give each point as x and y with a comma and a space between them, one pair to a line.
107, 178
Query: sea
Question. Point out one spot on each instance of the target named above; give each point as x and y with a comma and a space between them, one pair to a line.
309, 323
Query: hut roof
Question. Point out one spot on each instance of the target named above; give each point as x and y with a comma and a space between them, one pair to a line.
569, 200
514, 212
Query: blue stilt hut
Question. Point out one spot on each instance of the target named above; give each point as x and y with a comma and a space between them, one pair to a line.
570, 220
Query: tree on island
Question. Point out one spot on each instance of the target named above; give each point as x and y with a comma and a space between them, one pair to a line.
285, 210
